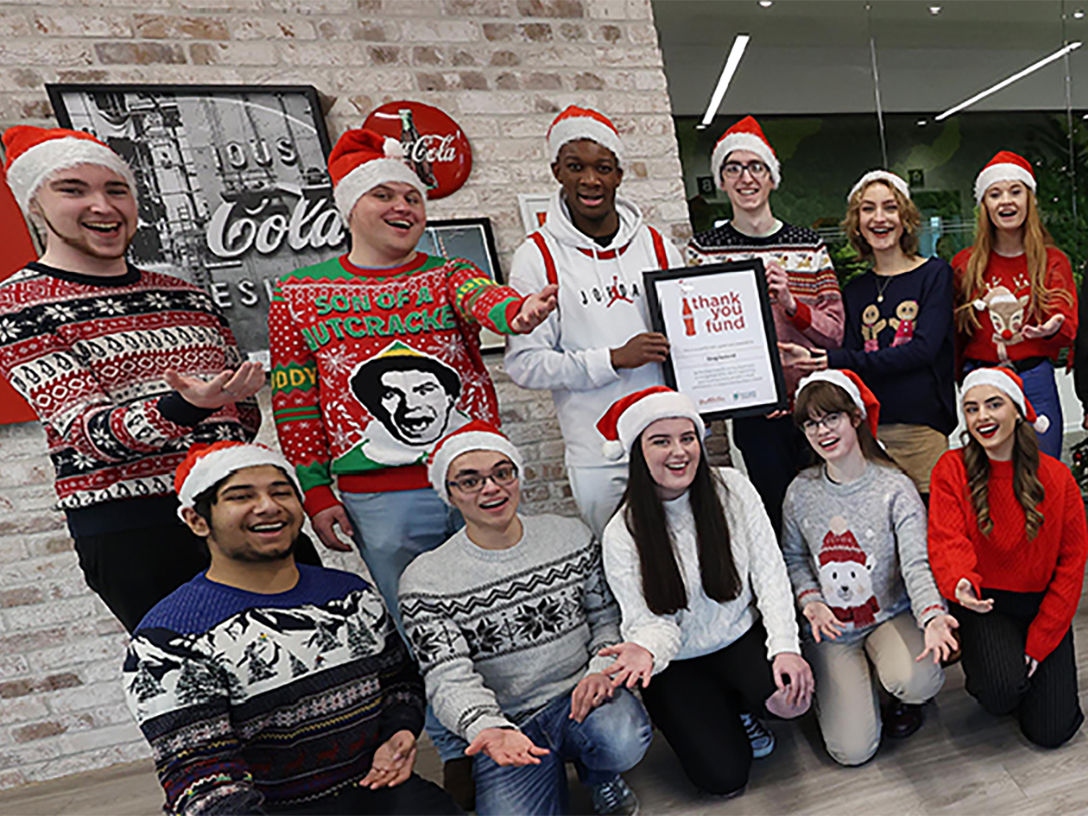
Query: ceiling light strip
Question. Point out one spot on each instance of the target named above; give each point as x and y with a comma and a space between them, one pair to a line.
1007, 82
731, 63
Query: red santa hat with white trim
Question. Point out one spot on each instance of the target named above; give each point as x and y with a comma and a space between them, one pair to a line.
361, 160
855, 388
475, 436
576, 123
34, 154
629, 416
886, 176
1005, 166
745, 135
206, 465
1009, 383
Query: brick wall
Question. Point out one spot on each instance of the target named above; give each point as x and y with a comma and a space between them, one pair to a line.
501, 68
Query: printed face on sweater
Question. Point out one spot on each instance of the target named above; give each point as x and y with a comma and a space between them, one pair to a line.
672, 449
1006, 203
991, 420
88, 208
747, 191
389, 220
411, 395
491, 492
256, 517
878, 218
590, 175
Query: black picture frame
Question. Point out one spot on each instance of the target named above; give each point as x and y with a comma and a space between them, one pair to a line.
652, 279
232, 182
474, 240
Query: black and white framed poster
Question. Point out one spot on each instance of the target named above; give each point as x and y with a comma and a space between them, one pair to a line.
232, 183
473, 240
723, 350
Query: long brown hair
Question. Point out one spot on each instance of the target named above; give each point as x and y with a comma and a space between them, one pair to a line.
1027, 488
644, 513
909, 217
1036, 241
822, 397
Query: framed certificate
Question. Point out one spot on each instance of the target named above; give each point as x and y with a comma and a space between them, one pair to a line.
723, 347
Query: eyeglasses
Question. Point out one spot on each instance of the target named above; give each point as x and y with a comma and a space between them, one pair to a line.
756, 169
474, 483
829, 421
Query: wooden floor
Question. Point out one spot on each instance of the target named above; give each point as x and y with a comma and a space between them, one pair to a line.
963, 761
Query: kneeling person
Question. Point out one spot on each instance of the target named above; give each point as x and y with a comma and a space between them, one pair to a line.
512, 621
218, 670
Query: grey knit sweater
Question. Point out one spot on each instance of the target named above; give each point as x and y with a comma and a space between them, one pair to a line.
499, 634
859, 547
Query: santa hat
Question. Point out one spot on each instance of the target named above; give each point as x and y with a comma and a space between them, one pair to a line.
1005, 166
629, 416
1010, 384
852, 384
745, 135
840, 547
34, 154
475, 436
879, 175
583, 123
206, 465
363, 159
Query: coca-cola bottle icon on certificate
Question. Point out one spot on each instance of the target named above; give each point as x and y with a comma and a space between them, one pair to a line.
688, 316
415, 150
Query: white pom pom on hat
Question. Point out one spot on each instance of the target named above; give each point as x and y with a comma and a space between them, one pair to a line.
1009, 383
629, 416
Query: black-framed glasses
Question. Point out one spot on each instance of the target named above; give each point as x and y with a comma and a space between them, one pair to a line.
474, 482
829, 421
756, 169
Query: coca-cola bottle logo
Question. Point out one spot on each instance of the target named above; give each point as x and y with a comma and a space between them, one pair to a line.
236, 228
434, 145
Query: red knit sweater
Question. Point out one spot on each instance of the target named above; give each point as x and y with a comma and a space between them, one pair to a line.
1052, 562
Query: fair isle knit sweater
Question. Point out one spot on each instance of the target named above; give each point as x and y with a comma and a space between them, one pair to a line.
257, 702
818, 321
371, 368
859, 547
88, 353
706, 625
499, 634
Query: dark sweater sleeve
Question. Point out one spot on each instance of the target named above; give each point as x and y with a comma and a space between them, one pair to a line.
933, 324
402, 687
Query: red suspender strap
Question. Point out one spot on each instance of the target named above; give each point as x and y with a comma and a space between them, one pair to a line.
549, 261
659, 248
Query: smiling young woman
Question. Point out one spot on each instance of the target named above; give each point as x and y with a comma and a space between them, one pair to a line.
1007, 544
1015, 298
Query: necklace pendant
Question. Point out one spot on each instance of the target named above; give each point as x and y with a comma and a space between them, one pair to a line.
880, 298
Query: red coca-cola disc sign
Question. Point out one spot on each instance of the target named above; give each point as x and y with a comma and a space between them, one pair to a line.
434, 144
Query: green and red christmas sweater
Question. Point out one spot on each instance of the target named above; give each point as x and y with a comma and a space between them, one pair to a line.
371, 368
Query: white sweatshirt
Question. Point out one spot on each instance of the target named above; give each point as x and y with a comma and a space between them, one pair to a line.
706, 625
601, 306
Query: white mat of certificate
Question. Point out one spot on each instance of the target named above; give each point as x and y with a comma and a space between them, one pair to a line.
718, 341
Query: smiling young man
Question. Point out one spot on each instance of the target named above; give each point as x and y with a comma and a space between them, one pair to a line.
268, 686
805, 297
508, 620
598, 345
125, 368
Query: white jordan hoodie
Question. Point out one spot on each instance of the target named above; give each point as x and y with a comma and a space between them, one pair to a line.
601, 306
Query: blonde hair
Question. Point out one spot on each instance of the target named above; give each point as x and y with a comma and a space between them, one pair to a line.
909, 217
1036, 240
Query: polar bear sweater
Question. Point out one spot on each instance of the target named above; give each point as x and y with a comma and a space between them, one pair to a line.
859, 547
372, 367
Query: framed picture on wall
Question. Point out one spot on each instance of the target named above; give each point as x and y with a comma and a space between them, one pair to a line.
232, 182
473, 240
534, 210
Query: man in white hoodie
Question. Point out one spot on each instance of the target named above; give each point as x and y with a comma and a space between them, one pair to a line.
597, 345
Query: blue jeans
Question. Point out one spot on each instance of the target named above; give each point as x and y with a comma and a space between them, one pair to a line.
611, 740
391, 529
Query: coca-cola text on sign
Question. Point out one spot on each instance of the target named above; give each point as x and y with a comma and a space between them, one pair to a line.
435, 146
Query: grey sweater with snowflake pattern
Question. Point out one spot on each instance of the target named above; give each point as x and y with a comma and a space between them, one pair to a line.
499, 634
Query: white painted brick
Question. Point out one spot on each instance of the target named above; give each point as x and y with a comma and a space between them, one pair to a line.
439, 31
23, 709
75, 609
99, 737
607, 9
88, 697
75, 654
